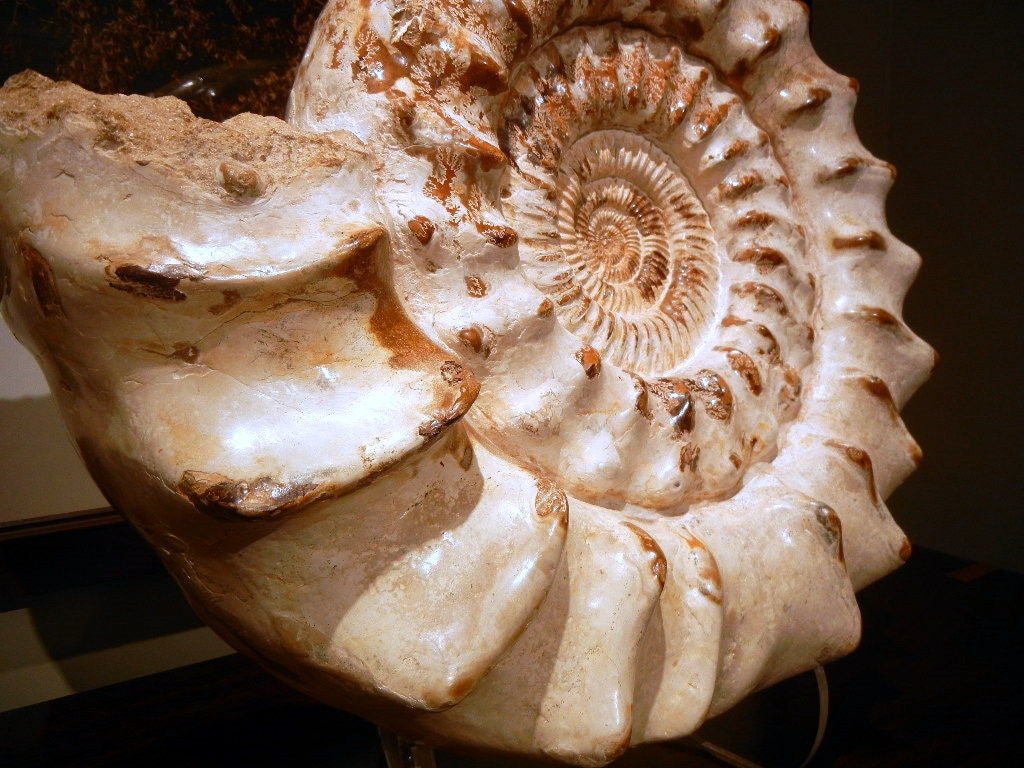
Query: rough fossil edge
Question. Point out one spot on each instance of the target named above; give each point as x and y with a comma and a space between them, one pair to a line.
183, 318
816, 455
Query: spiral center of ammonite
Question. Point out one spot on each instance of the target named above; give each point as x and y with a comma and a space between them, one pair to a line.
639, 264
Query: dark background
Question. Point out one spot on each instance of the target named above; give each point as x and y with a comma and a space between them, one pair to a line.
941, 95
940, 98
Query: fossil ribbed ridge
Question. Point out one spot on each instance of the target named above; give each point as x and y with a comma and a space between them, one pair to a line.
632, 275
536, 387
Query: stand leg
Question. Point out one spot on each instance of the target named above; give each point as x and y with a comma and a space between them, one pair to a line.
726, 757
400, 753
822, 681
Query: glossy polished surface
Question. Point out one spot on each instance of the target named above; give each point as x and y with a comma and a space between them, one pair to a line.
534, 388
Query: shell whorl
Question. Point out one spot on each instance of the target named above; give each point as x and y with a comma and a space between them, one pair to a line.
634, 277
613, 125
650, 217
553, 356
780, 338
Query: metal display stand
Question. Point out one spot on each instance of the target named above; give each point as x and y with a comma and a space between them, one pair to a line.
726, 757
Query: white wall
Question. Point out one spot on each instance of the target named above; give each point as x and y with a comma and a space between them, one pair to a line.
40, 471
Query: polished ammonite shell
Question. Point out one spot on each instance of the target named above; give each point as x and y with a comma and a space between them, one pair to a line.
534, 388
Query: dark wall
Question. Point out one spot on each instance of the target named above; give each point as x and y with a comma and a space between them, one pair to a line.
235, 55
941, 98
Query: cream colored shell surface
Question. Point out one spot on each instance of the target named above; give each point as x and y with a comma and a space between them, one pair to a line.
535, 387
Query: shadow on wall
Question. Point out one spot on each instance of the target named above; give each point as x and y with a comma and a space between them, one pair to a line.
85, 609
40, 472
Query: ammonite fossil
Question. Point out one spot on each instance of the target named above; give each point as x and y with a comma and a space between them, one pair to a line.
534, 388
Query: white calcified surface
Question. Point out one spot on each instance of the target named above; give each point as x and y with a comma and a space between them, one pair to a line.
534, 388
